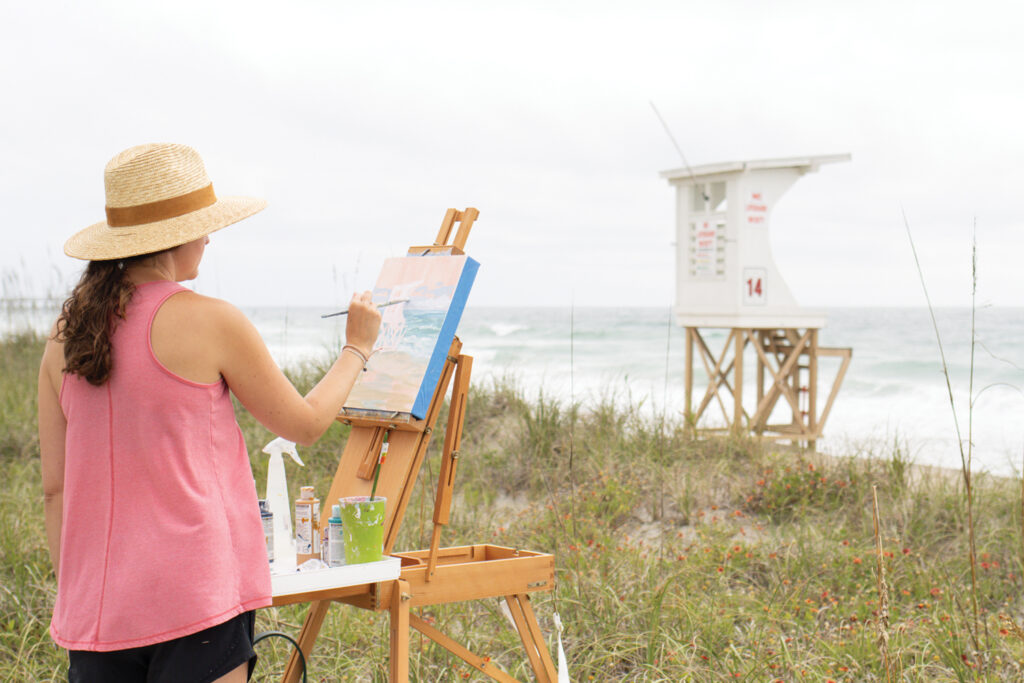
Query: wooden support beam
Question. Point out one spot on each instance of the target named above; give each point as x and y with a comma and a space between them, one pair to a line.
398, 662
421, 451
688, 415
466, 219
737, 394
717, 376
758, 427
537, 638
846, 355
766, 398
782, 379
307, 637
789, 356
812, 390
523, 628
711, 393
481, 664
435, 544
450, 455
446, 227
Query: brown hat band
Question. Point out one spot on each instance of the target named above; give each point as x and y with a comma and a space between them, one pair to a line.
123, 216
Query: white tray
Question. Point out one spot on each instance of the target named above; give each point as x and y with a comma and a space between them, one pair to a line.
388, 569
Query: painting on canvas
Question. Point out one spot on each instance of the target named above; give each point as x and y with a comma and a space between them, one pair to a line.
415, 336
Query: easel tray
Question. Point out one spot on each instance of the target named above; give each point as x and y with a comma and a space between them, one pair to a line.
330, 583
462, 573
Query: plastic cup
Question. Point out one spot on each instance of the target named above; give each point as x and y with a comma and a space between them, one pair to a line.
362, 523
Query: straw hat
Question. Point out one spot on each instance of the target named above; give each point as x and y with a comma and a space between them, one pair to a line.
158, 197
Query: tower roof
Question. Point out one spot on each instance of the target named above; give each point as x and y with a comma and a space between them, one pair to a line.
808, 164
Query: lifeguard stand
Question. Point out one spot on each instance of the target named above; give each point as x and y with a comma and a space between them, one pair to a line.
726, 279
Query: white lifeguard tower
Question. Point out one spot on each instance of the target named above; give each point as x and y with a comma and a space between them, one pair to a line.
726, 278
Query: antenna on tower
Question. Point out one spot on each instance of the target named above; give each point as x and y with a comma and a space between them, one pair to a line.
680, 150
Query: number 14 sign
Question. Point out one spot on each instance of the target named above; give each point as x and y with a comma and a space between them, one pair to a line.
754, 287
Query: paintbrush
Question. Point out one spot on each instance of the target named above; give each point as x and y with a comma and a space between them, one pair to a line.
380, 461
389, 303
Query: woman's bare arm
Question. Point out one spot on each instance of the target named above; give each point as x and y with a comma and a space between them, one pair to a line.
52, 432
257, 381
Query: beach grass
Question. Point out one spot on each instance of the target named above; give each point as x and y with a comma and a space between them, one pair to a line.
677, 558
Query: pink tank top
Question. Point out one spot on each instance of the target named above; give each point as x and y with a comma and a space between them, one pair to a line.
161, 534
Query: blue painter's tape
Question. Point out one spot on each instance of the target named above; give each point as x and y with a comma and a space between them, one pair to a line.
444, 339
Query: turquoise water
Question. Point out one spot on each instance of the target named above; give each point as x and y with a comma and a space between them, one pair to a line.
894, 390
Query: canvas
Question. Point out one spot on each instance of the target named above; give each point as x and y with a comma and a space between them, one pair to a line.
406, 364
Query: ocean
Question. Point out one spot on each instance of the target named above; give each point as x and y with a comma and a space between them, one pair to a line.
894, 393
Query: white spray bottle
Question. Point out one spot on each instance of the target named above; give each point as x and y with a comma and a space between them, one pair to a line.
277, 499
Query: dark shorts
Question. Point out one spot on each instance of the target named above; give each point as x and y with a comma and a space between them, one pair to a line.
197, 658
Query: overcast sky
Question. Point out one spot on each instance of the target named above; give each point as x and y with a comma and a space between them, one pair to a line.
361, 123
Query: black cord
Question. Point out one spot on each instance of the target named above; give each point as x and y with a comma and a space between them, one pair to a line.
295, 644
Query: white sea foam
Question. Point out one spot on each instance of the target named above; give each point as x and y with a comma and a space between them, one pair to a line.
505, 329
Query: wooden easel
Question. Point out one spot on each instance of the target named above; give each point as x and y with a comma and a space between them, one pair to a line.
435, 575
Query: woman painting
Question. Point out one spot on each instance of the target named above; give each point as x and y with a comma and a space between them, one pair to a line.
151, 509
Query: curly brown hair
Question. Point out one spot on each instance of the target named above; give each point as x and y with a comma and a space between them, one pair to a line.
89, 316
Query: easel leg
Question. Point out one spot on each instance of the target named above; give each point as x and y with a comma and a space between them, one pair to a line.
538, 637
479, 663
533, 642
307, 636
399, 663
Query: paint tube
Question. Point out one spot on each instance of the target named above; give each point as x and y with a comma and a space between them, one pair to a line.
334, 542
307, 526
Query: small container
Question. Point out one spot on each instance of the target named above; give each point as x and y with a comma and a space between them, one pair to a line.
364, 528
267, 517
307, 526
334, 543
